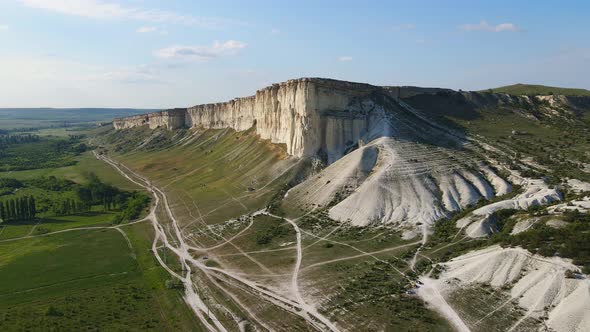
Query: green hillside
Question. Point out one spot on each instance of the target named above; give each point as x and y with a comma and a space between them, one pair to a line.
531, 89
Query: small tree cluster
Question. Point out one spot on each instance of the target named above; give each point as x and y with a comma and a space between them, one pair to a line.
8, 139
20, 208
69, 206
96, 192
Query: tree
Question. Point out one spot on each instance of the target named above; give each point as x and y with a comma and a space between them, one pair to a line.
11, 210
32, 207
24, 208
17, 209
2, 211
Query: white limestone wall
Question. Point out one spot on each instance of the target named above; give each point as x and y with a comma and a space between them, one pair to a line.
290, 113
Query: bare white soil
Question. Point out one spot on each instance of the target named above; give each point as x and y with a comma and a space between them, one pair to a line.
537, 283
479, 223
578, 186
582, 205
401, 183
523, 225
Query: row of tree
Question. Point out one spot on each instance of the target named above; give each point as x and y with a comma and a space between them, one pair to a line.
20, 208
86, 196
95, 192
68, 207
17, 139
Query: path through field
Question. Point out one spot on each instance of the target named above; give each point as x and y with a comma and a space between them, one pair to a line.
199, 305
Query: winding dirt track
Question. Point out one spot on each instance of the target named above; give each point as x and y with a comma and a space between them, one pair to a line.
192, 294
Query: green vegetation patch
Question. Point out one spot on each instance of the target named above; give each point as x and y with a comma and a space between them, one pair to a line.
44, 152
570, 241
223, 172
87, 280
64, 260
484, 308
380, 293
533, 90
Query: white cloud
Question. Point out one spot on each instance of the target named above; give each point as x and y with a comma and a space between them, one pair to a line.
3, 27
146, 29
97, 9
200, 53
485, 26
345, 58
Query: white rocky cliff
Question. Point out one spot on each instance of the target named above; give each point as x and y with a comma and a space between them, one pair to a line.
308, 115
403, 170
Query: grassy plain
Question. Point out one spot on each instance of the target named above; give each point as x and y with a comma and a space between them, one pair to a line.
85, 163
84, 279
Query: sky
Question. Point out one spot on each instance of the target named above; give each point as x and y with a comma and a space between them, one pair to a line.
178, 53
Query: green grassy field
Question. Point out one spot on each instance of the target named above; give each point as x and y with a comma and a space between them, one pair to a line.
17, 118
230, 173
87, 280
83, 279
10, 230
85, 163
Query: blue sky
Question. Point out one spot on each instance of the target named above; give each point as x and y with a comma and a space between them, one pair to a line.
160, 54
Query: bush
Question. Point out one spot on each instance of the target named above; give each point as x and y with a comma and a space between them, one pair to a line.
53, 311
266, 236
132, 208
51, 183
174, 284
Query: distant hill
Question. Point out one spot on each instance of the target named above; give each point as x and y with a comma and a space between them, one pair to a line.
13, 118
531, 89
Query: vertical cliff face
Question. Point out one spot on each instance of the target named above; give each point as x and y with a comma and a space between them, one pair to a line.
291, 113
310, 116
170, 119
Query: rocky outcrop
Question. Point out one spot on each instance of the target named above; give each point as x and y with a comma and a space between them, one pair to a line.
310, 115
171, 119
315, 116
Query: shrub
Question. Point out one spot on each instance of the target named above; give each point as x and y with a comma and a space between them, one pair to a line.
174, 284
53, 311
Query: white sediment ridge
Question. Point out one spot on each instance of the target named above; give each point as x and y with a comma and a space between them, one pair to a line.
480, 223
398, 178
539, 285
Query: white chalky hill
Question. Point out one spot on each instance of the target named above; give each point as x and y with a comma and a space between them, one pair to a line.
538, 284
406, 172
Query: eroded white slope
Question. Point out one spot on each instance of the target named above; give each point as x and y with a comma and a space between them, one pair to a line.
479, 223
397, 182
538, 283
501, 186
407, 174
582, 205
341, 176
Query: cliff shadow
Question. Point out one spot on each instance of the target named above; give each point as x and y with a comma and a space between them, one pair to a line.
448, 108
